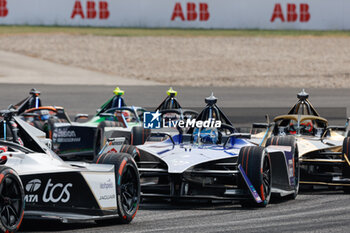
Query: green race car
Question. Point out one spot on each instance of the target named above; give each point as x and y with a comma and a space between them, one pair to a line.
71, 139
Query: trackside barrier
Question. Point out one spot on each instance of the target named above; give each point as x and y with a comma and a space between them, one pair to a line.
230, 14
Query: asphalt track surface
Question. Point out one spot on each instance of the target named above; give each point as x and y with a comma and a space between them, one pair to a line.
317, 210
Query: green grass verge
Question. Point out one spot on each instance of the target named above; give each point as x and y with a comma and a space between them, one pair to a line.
5, 30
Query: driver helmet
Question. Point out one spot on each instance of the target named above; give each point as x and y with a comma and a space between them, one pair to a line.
45, 117
126, 115
293, 127
307, 126
207, 135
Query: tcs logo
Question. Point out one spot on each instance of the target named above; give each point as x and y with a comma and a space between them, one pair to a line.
3, 8
292, 13
91, 10
193, 12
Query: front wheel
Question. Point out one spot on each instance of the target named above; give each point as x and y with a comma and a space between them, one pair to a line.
11, 200
256, 163
127, 184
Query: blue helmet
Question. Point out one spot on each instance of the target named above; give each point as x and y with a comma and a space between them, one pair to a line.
206, 135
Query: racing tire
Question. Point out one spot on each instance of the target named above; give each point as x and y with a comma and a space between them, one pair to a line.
256, 163
131, 150
139, 135
127, 180
289, 141
100, 139
11, 200
346, 166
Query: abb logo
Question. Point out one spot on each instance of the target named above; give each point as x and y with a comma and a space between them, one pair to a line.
292, 14
3, 9
192, 13
91, 11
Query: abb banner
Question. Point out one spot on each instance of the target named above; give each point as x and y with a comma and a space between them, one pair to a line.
235, 14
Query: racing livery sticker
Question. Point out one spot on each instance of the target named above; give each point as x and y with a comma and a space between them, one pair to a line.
104, 188
65, 135
151, 120
31, 187
61, 189
113, 145
71, 138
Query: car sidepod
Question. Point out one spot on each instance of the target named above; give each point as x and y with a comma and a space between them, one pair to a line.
72, 195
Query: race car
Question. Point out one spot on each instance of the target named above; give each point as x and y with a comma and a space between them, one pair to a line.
36, 183
170, 111
211, 160
76, 140
31, 110
322, 149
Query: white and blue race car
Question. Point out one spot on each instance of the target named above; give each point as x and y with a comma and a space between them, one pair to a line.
36, 183
214, 161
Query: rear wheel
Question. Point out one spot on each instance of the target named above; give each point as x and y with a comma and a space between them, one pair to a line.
11, 200
346, 165
131, 150
138, 135
289, 141
257, 165
127, 184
